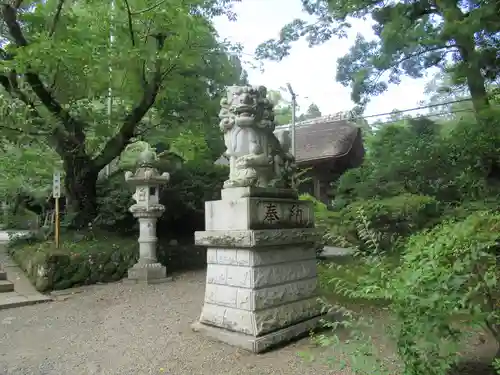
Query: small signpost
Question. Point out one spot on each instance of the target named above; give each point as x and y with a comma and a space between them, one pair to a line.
56, 193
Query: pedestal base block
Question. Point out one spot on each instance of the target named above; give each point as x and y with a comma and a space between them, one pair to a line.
261, 288
152, 273
258, 344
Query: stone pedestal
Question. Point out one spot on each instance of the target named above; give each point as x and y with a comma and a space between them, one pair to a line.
261, 286
147, 269
151, 273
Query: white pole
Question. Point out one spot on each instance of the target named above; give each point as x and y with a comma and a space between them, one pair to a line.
294, 109
110, 68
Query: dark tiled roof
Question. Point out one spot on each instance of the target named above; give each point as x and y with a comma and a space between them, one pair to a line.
326, 137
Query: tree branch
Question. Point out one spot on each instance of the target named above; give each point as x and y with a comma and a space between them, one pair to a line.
147, 129
128, 129
149, 8
11, 85
70, 124
130, 25
56, 74
396, 63
22, 131
57, 16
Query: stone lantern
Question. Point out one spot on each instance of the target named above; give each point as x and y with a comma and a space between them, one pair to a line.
147, 209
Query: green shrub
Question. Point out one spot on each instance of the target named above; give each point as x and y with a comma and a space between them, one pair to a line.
183, 197
463, 210
23, 219
446, 287
394, 218
79, 260
114, 197
446, 273
325, 220
452, 166
400, 159
181, 257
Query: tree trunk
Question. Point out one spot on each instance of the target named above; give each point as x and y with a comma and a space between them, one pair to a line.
475, 80
477, 88
466, 45
81, 190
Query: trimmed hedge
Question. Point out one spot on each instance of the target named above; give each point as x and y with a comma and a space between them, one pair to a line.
78, 261
91, 259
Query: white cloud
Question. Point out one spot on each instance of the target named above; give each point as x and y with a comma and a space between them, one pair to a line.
310, 71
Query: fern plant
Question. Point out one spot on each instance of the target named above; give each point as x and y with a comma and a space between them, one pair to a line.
369, 237
359, 348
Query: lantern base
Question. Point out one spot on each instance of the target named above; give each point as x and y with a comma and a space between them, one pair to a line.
149, 273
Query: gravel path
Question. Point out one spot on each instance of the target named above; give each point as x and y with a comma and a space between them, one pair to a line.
121, 329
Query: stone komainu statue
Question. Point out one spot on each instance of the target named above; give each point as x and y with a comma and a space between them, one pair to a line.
257, 157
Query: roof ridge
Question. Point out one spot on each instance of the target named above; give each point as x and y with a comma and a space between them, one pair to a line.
339, 116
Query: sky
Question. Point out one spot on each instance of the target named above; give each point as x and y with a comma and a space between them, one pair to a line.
310, 71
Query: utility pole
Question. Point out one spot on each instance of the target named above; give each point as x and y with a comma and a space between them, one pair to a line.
110, 69
294, 109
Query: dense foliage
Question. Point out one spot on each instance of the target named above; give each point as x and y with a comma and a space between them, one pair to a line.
161, 62
441, 291
183, 197
421, 213
458, 37
428, 194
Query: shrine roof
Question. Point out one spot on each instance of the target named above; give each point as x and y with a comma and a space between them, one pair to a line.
326, 137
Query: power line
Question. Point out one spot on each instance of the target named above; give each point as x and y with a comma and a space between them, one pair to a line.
415, 109
427, 115
381, 124
355, 118
421, 107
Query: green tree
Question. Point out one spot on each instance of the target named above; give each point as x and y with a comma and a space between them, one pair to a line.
282, 107
397, 115
194, 131
312, 112
461, 38
58, 63
26, 168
